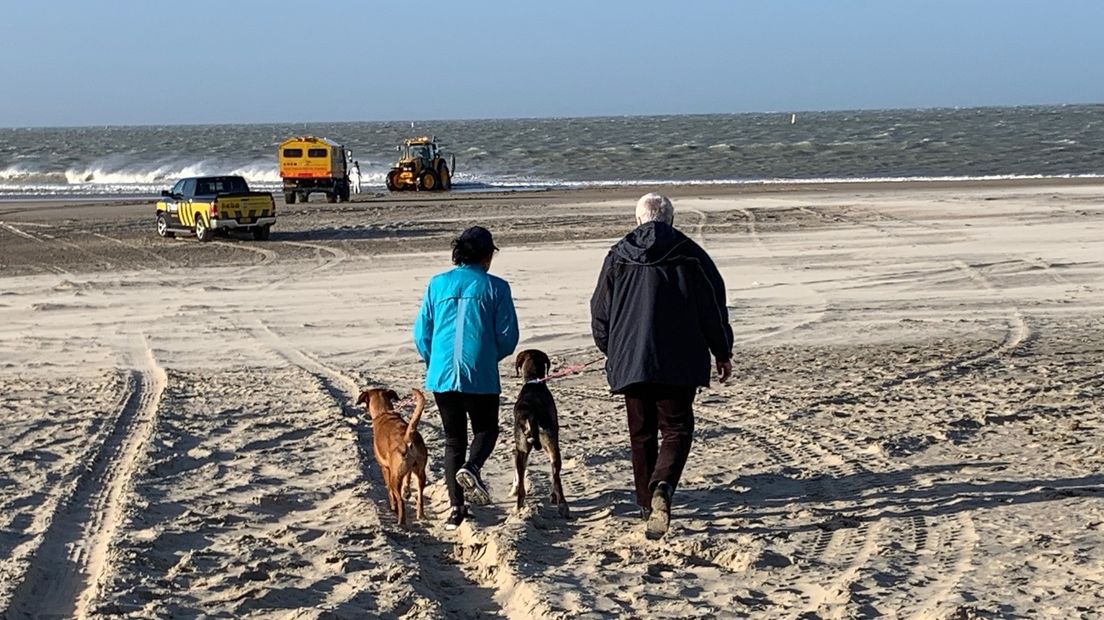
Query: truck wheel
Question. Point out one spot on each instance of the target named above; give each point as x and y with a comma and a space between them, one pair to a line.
163, 227
202, 231
261, 233
392, 184
345, 190
331, 196
446, 178
289, 198
429, 182
304, 196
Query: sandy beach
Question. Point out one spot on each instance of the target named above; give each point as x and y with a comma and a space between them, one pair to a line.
914, 428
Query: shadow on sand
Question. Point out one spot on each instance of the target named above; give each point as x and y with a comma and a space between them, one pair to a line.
873, 496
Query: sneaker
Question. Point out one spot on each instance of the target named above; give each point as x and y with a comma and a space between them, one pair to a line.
456, 517
474, 488
660, 519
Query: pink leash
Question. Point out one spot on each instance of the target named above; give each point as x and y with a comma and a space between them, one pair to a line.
570, 370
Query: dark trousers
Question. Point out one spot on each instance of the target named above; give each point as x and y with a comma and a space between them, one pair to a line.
655, 409
456, 409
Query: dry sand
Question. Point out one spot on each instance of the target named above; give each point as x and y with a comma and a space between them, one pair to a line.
914, 429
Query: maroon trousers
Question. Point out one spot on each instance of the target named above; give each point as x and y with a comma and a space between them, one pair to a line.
655, 409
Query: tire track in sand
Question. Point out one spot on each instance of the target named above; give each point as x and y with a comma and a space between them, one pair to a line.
939, 550
267, 256
818, 313
66, 572
48, 239
832, 557
135, 247
850, 548
933, 553
337, 256
699, 231
1017, 330
117, 391
842, 548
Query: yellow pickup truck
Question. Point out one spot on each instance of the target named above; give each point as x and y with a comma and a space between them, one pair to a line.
205, 205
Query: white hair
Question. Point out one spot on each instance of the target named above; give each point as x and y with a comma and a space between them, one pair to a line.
654, 208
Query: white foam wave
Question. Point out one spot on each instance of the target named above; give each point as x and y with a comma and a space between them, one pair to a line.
261, 172
23, 173
263, 177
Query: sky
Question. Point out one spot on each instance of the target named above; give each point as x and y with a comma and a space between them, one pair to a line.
137, 62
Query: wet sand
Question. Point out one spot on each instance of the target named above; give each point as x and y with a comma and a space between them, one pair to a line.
914, 427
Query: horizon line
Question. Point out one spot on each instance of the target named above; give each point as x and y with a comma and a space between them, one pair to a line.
593, 116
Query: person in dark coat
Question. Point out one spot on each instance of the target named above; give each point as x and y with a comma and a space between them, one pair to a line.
659, 312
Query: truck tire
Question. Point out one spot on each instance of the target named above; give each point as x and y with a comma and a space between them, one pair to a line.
304, 197
163, 227
429, 182
261, 233
392, 185
289, 198
202, 231
445, 177
343, 194
331, 196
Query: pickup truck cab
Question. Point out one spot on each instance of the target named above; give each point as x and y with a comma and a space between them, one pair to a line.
205, 205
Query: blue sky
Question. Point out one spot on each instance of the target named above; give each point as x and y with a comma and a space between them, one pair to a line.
79, 62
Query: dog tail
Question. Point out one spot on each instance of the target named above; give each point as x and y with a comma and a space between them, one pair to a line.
412, 426
534, 431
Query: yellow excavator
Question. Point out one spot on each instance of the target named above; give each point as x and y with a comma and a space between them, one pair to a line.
421, 167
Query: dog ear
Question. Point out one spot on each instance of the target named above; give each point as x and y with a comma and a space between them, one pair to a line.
519, 361
546, 362
364, 397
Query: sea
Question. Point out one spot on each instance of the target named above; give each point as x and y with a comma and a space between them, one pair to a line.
535, 153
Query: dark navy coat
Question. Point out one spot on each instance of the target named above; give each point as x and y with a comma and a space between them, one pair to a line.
659, 310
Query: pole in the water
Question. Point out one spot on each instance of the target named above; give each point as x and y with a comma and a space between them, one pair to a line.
793, 119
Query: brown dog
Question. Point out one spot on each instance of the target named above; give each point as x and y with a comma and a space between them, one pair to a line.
400, 450
536, 425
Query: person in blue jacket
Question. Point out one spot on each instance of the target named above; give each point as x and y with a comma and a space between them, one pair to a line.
466, 326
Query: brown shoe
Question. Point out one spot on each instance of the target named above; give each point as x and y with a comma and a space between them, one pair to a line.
660, 519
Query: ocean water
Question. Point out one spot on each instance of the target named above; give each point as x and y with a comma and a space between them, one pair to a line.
1046, 141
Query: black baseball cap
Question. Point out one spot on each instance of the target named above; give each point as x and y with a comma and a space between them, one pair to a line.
478, 239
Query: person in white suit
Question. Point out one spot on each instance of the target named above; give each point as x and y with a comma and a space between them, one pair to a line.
354, 177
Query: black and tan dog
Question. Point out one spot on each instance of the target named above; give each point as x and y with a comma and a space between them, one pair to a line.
536, 425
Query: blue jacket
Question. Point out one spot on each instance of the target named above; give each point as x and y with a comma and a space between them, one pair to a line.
467, 325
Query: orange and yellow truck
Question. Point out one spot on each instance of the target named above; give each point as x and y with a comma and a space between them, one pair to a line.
314, 165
